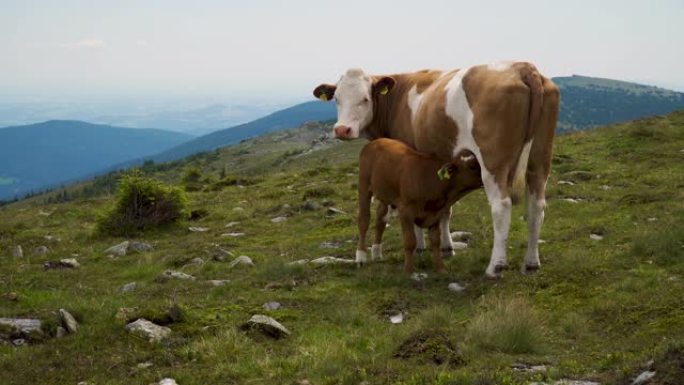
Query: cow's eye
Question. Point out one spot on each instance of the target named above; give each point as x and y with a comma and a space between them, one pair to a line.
365, 100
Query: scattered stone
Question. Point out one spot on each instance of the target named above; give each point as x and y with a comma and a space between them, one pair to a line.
44, 213
218, 282
329, 245
333, 210
66, 263
327, 202
303, 382
519, 367
397, 318
596, 237
144, 365
168, 381
271, 305
139, 247
241, 260
455, 287
178, 275
566, 182
50, 238
17, 251
310, 206
571, 200
221, 255
11, 296
129, 287
18, 342
267, 326
195, 262
298, 262
68, 321
40, 250
652, 219
231, 224
331, 260
235, 234
23, 327
238, 209
459, 245
118, 250
61, 332
461, 236
580, 175
419, 276
278, 219
567, 382
604, 187
541, 241
148, 330
198, 229
644, 378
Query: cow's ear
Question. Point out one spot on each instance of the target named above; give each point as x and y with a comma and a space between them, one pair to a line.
325, 92
383, 85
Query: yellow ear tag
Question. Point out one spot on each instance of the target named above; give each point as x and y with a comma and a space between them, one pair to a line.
384, 90
323, 97
443, 173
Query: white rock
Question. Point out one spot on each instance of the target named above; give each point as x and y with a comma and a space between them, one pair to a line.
231, 224
278, 219
461, 236
195, 262
17, 251
148, 330
596, 237
234, 234
419, 276
644, 378
238, 209
145, 365
61, 332
566, 182
198, 229
44, 213
273, 305
331, 260
168, 381
68, 321
333, 210
129, 287
178, 275
218, 282
459, 245
139, 246
70, 262
298, 262
267, 325
329, 245
652, 219
23, 326
241, 260
605, 187
541, 241
397, 318
118, 250
571, 200
455, 287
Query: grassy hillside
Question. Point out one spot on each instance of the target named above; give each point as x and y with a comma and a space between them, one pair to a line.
42, 155
598, 309
589, 102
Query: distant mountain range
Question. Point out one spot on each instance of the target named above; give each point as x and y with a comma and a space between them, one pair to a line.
42, 155
36, 156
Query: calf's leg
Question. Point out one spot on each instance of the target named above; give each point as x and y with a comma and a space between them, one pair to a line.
409, 236
435, 235
420, 240
381, 219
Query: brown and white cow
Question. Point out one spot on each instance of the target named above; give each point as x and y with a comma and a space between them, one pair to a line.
504, 113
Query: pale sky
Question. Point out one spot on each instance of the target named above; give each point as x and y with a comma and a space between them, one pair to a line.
277, 50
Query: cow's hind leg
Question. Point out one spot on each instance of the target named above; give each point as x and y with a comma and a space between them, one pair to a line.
538, 169
381, 219
420, 241
500, 204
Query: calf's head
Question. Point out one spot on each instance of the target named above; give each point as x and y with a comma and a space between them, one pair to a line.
463, 171
354, 94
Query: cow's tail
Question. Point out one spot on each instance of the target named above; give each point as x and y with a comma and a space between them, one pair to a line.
531, 77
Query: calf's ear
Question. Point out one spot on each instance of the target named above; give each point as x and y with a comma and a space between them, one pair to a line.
383, 85
445, 172
325, 92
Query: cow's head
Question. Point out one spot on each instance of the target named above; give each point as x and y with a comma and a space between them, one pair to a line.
354, 94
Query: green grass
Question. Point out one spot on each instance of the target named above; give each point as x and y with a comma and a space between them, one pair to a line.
596, 310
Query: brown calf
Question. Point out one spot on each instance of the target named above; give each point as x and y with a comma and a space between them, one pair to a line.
403, 178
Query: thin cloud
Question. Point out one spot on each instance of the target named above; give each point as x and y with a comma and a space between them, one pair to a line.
90, 43
141, 43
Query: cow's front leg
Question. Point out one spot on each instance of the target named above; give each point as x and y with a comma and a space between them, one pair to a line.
446, 244
500, 204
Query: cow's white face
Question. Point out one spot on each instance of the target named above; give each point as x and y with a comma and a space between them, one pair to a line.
354, 97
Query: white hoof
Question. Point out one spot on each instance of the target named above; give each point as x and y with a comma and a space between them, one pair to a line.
361, 257
376, 251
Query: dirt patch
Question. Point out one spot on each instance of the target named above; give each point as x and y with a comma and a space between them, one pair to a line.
430, 347
669, 366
